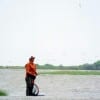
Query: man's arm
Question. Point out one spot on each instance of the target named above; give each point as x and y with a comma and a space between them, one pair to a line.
36, 70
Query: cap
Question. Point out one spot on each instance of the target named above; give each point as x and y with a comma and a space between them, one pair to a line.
32, 57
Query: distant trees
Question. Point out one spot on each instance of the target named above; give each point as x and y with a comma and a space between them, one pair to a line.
87, 67
94, 66
97, 65
46, 66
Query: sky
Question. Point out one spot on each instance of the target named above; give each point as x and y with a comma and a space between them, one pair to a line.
56, 32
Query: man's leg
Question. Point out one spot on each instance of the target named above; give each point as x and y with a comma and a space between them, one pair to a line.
29, 86
27, 91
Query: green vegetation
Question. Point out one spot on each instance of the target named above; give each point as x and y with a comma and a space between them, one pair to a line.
3, 93
11, 67
1, 67
94, 66
71, 72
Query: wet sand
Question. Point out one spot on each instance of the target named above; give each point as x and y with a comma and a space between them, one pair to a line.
52, 87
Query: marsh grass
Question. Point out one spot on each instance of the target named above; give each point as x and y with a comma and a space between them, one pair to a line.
72, 72
3, 93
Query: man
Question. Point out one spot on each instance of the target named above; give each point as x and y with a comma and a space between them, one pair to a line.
30, 75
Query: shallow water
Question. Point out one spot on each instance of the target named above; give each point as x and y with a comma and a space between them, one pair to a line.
51, 86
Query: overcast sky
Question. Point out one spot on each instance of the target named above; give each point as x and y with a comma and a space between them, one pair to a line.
54, 31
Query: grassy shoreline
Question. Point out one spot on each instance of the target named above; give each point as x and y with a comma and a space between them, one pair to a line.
60, 71
3, 93
71, 72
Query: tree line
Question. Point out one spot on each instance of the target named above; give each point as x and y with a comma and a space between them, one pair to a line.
94, 66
